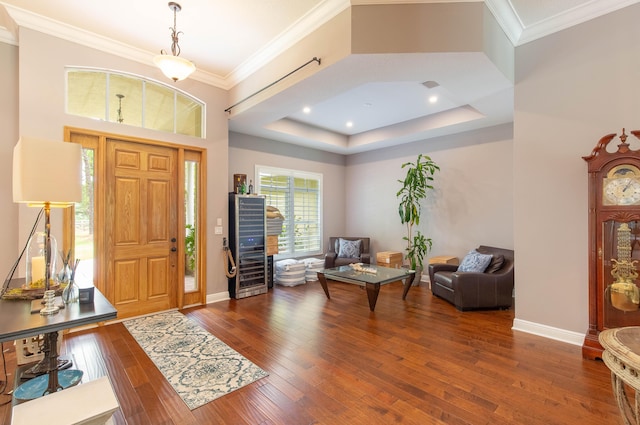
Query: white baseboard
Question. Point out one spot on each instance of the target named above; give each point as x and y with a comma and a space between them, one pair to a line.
217, 297
570, 337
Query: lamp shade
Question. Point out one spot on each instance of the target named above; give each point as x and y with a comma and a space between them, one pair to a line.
47, 171
174, 67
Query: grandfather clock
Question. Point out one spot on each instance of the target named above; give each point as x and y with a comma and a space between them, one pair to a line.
614, 239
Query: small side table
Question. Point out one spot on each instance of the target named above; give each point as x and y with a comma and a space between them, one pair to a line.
622, 356
444, 259
391, 259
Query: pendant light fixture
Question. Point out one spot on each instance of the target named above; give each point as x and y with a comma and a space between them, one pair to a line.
173, 66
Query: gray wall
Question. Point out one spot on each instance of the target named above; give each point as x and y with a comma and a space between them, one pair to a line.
572, 88
472, 201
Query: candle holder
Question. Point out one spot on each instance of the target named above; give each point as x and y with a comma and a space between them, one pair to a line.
36, 261
50, 306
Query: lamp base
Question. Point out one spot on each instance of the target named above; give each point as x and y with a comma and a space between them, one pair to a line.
49, 303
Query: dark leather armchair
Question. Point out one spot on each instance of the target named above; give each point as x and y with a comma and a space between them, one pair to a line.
332, 257
491, 289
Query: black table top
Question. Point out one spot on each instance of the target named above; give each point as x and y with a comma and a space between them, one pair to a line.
17, 321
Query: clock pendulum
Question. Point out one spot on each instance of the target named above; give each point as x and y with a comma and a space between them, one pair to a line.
623, 291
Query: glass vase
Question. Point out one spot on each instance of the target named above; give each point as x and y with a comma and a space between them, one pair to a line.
71, 293
64, 275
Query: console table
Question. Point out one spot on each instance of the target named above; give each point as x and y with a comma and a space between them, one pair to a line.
622, 356
17, 321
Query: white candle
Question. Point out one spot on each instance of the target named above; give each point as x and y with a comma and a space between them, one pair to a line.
37, 269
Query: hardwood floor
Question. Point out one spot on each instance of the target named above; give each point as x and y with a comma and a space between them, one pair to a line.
418, 361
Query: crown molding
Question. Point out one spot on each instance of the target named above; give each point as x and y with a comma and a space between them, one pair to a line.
571, 17
304, 26
7, 37
387, 2
503, 12
516, 31
8, 28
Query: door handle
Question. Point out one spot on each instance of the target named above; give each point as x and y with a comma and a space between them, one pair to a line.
174, 249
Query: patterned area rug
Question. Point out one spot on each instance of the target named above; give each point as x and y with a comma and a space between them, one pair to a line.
198, 365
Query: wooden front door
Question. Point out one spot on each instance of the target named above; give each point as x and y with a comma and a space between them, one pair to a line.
141, 222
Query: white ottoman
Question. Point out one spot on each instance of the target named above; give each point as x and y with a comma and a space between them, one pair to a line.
313, 266
290, 272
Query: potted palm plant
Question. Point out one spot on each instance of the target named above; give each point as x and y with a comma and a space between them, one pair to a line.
415, 189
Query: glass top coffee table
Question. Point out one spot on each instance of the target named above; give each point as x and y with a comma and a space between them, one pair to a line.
371, 279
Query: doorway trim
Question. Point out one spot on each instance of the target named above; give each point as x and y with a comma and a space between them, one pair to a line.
98, 140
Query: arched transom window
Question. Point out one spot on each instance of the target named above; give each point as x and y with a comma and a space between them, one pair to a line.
133, 100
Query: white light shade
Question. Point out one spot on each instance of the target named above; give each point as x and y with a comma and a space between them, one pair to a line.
47, 171
174, 67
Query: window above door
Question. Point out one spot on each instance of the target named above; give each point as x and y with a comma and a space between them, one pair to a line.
133, 100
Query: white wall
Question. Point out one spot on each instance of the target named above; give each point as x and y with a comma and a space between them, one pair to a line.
9, 248
42, 59
472, 201
245, 152
572, 88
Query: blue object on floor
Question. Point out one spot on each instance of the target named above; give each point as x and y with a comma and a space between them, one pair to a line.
36, 387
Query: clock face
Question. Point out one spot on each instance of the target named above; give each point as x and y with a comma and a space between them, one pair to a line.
622, 186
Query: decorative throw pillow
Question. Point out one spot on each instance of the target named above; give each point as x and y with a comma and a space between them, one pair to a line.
349, 249
495, 264
475, 262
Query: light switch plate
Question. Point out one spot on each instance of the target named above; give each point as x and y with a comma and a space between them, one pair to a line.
218, 230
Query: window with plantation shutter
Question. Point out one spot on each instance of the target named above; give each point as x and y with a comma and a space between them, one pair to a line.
298, 195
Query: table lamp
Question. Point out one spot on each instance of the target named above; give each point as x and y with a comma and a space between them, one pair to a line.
47, 174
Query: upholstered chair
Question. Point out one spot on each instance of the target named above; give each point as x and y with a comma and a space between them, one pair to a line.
346, 250
491, 288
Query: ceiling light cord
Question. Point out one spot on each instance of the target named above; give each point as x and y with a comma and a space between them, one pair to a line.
315, 59
175, 47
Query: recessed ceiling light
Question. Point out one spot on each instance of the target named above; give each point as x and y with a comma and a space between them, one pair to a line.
306, 110
349, 124
433, 99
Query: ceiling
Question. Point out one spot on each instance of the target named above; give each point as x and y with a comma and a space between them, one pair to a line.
384, 96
